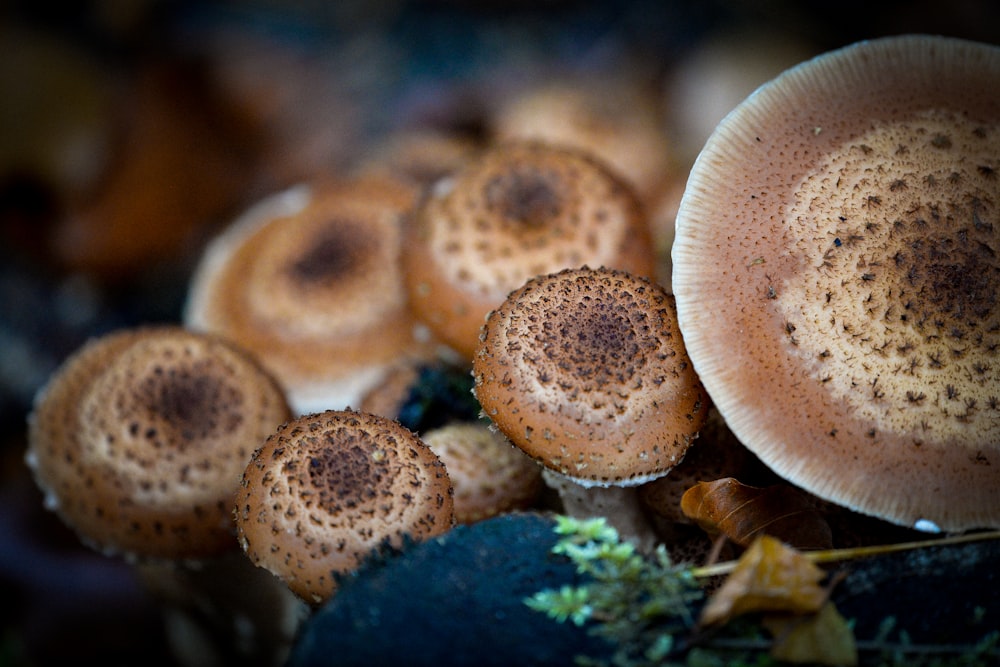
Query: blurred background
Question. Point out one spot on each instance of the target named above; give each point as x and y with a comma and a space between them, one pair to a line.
132, 131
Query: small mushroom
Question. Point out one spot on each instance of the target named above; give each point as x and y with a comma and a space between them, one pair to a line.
327, 490
309, 280
139, 440
516, 211
585, 370
490, 475
837, 271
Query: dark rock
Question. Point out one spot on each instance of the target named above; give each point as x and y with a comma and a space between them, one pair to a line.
454, 600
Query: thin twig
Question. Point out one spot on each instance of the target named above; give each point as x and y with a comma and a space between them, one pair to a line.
835, 555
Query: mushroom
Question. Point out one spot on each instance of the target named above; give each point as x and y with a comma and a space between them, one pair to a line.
615, 119
327, 490
585, 370
309, 280
138, 441
420, 155
836, 269
489, 474
516, 211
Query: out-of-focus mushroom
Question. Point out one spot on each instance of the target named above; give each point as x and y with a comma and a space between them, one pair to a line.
489, 474
327, 490
616, 120
837, 271
57, 122
157, 194
717, 74
309, 280
420, 156
585, 370
138, 442
516, 211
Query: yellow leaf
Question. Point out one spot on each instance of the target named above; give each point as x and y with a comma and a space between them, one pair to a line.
769, 576
822, 638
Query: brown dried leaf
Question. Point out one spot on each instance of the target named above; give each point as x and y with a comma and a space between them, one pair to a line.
742, 512
770, 576
822, 638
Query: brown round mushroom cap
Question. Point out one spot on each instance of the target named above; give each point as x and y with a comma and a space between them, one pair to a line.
310, 282
139, 439
516, 211
328, 489
837, 270
585, 370
490, 475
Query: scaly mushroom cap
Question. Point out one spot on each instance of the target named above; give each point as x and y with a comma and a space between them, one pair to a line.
326, 490
585, 370
490, 475
310, 281
516, 211
837, 270
139, 440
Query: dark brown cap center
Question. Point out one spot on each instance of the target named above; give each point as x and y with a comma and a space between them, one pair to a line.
186, 404
339, 250
525, 195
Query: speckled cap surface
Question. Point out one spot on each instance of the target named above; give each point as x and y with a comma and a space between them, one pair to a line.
139, 440
837, 271
309, 280
585, 370
489, 474
328, 489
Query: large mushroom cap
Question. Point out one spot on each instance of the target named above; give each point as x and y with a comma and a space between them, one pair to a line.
837, 269
326, 490
516, 211
309, 280
139, 440
585, 370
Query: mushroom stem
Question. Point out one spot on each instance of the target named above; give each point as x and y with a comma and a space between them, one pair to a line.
620, 505
222, 610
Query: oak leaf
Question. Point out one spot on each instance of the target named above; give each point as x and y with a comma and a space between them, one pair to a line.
823, 638
741, 512
770, 576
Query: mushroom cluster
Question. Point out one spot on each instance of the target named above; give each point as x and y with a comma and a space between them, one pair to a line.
836, 269
833, 302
